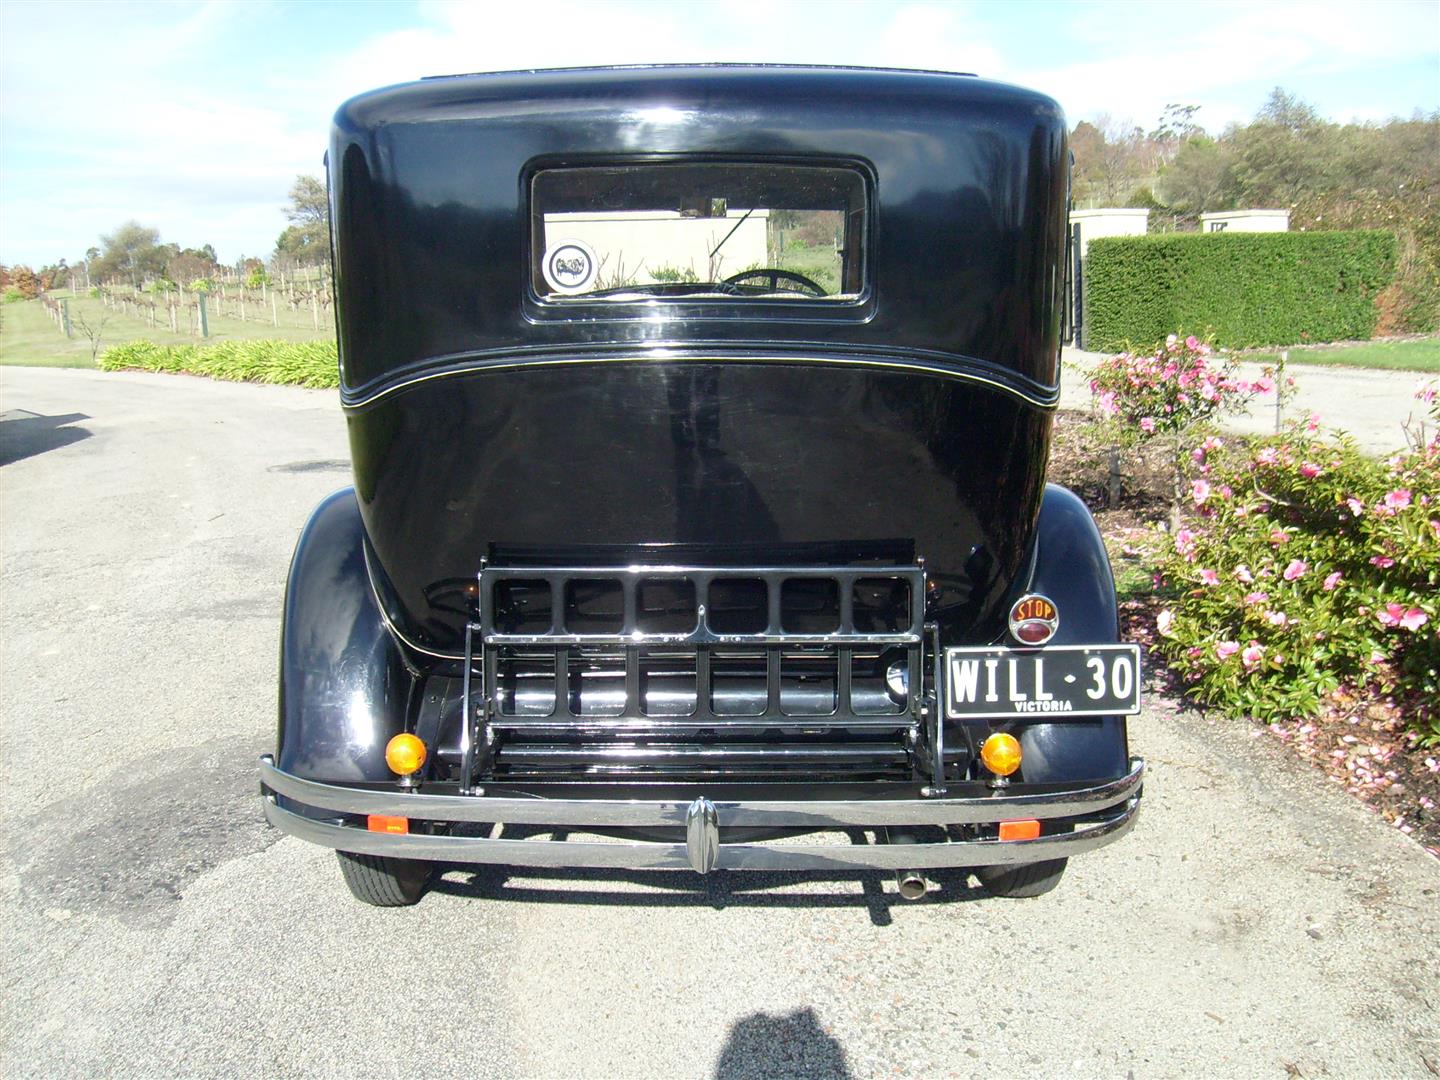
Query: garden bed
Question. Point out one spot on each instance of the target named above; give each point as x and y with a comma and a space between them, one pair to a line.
1358, 737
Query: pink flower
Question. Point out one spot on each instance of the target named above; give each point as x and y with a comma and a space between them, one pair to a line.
1185, 544
1107, 403
1356, 507
1263, 385
1398, 499
1147, 425
1332, 580
1192, 342
1226, 649
1171, 340
1243, 573
1296, 568
1253, 654
1209, 577
1256, 597
1279, 536
1267, 456
1165, 622
1313, 424
1310, 471
1424, 393
1200, 491
1405, 618
1212, 443
1382, 561
1276, 618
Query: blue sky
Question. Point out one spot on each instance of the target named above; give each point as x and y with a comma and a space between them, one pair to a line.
195, 117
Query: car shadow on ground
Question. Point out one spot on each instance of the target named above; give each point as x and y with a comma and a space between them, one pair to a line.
25, 434
719, 890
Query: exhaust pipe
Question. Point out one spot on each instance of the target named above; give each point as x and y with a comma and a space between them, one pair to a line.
911, 883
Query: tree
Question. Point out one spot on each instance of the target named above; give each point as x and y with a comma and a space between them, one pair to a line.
91, 332
1284, 153
1173, 130
188, 266
1200, 179
132, 251
1111, 158
307, 240
25, 281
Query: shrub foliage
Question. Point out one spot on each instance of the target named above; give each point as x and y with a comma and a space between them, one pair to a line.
1312, 567
308, 363
1241, 289
1165, 396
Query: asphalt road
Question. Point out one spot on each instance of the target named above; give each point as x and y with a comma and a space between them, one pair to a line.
1370, 404
1256, 923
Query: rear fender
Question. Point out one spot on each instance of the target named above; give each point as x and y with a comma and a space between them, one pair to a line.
345, 688
1073, 569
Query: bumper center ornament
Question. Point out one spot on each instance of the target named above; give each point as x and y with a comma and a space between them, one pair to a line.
702, 835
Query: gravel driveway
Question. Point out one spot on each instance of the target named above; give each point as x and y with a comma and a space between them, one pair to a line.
1256, 922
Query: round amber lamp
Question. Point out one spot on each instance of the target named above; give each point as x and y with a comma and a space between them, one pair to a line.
405, 753
1001, 753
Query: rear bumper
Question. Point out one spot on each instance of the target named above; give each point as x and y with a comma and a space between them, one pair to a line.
1109, 810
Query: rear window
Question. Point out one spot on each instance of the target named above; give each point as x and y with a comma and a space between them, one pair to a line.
699, 231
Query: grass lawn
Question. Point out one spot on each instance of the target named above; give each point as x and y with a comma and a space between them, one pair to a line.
27, 336
1422, 355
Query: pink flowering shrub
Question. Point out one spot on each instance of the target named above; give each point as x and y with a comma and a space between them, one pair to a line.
1312, 566
1166, 395
1171, 390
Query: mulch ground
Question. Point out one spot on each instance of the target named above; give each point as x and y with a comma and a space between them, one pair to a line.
1359, 740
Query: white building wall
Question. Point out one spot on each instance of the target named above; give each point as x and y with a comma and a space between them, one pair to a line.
1115, 221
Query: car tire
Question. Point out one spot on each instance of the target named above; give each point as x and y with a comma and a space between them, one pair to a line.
384, 882
1027, 879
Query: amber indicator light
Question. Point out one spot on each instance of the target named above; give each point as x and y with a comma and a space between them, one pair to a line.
405, 753
1001, 753
387, 824
1026, 829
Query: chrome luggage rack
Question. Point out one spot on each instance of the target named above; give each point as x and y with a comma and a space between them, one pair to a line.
553, 617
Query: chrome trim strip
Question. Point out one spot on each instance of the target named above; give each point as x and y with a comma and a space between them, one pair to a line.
660, 856
395, 631
797, 813
1050, 400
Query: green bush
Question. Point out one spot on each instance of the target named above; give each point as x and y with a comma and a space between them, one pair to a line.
309, 363
1241, 289
1313, 567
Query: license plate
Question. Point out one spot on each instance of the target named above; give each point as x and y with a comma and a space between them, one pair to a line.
1060, 680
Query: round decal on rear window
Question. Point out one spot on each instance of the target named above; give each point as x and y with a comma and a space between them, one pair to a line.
569, 266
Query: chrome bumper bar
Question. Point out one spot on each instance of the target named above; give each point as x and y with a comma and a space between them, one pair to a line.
1116, 802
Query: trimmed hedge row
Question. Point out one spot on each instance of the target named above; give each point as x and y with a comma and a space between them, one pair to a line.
294, 363
1239, 289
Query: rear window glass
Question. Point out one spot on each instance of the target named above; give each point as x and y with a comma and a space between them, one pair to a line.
698, 231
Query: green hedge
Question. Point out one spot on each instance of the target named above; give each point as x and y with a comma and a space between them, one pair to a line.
294, 363
1242, 289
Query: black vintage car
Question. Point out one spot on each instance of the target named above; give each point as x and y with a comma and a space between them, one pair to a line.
699, 419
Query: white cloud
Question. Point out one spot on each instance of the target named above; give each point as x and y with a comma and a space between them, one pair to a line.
88, 140
1218, 54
